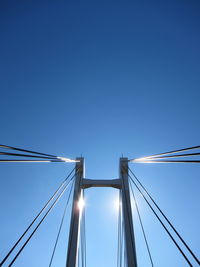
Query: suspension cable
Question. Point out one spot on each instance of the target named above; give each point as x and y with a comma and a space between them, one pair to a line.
26, 160
84, 234
166, 161
45, 206
123, 243
142, 226
81, 244
118, 239
85, 240
168, 221
123, 252
82, 248
56, 158
28, 151
61, 224
51, 207
82, 237
119, 247
26, 155
181, 251
172, 156
121, 229
124, 246
167, 153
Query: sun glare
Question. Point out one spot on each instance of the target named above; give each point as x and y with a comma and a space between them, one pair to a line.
117, 204
81, 203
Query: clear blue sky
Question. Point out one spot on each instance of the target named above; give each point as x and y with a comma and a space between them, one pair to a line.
99, 78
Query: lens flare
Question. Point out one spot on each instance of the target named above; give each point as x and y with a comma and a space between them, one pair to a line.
81, 203
117, 204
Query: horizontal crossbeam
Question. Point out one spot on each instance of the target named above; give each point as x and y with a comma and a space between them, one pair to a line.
87, 183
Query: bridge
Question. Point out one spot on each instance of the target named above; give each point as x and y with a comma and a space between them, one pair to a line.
77, 183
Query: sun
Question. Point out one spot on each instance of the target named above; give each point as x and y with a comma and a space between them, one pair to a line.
81, 203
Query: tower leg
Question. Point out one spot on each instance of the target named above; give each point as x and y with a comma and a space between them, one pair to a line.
72, 253
127, 215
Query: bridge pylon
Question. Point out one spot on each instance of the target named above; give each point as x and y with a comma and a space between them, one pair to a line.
122, 184
127, 214
72, 253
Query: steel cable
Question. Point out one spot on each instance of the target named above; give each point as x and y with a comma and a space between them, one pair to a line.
45, 206
26, 155
166, 161
167, 153
84, 236
61, 224
26, 160
28, 151
173, 156
119, 247
170, 235
168, 221
47, 156
40, 222
142, 227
